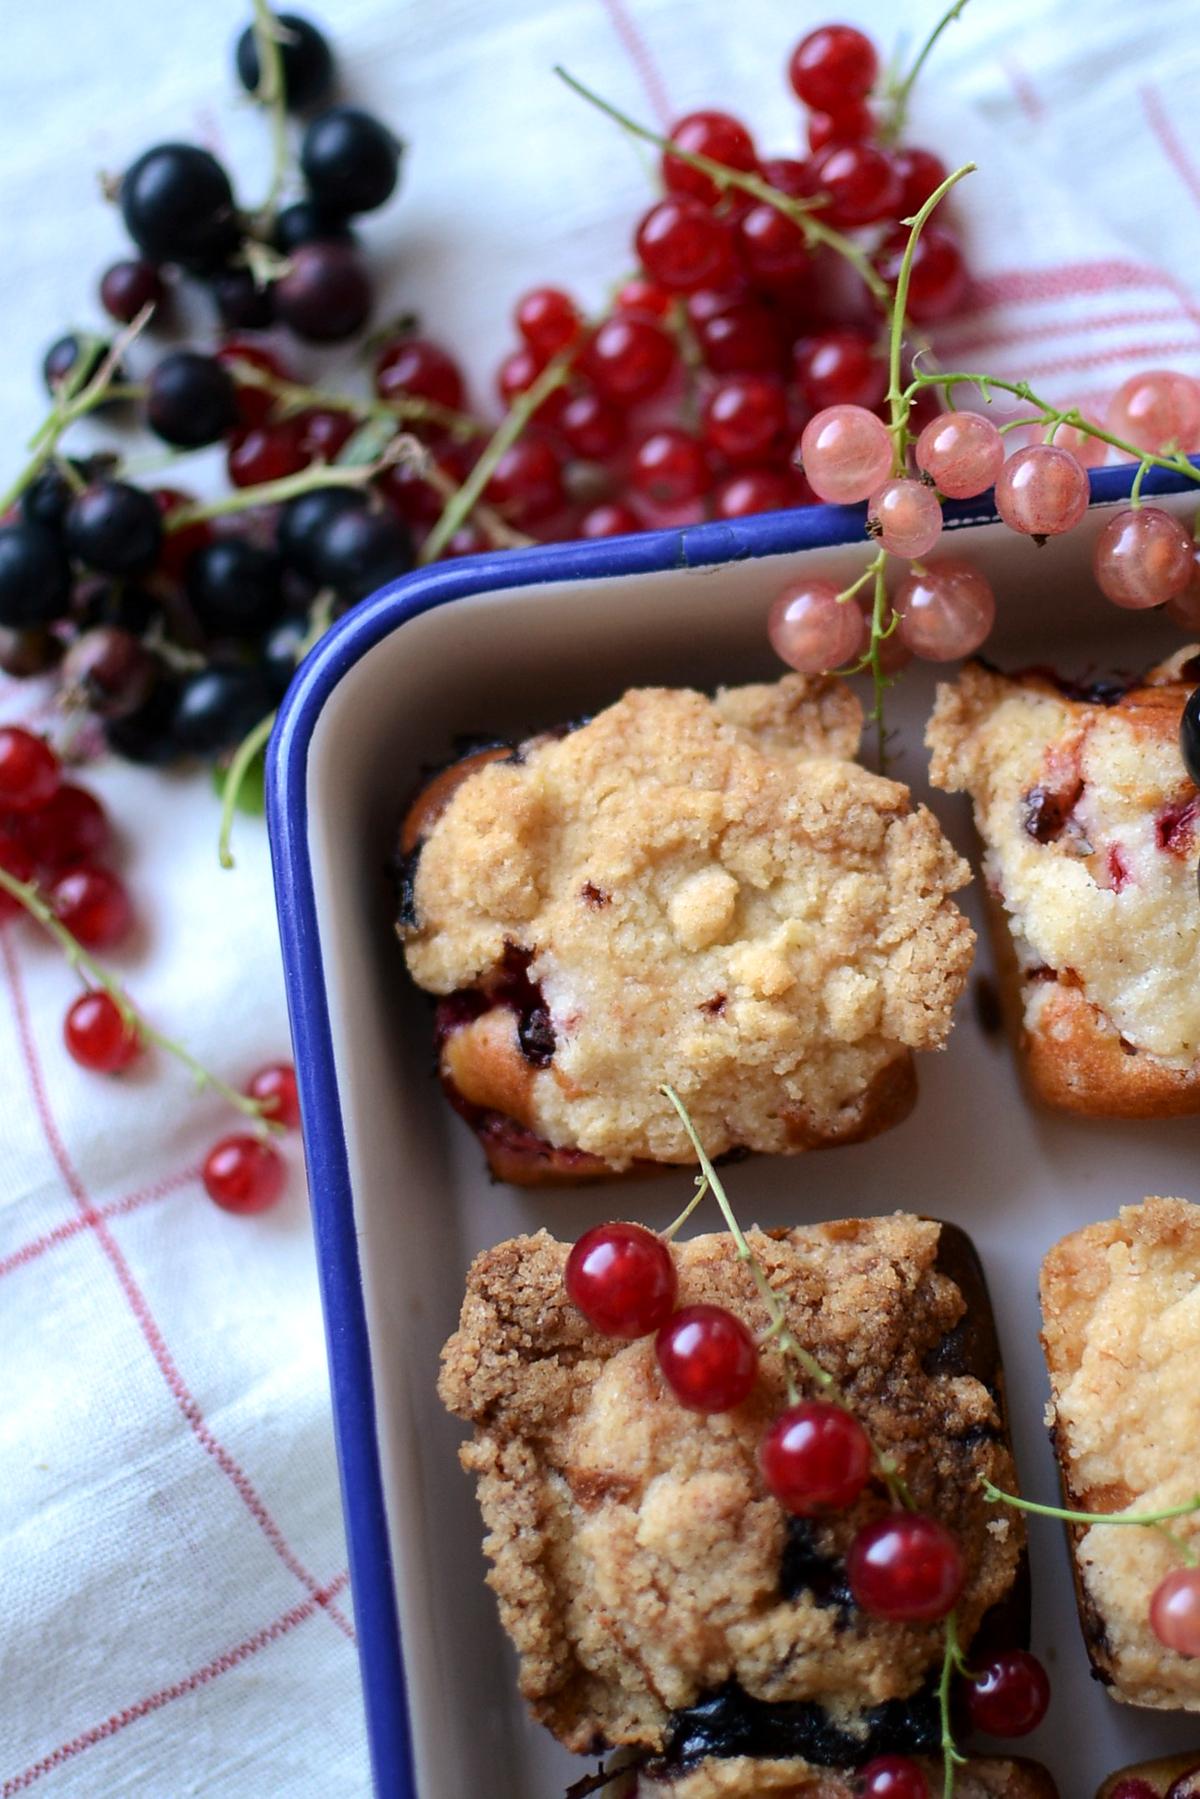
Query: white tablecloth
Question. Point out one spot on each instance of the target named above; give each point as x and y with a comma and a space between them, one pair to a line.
172, 1569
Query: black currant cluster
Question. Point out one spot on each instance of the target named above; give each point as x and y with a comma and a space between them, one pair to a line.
180, 636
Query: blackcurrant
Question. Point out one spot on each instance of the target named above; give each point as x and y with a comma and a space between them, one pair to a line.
35, 577
308, 68
61, 365
234, 588
280, 654
241, 301
218, 706
120, 603
109, 671
350, 160
128, 286
1189, 736
25, 653
306, 517
45, 500
191, 400
115, 528
325, 297
304, 222
356, 552
178, 206
146, 735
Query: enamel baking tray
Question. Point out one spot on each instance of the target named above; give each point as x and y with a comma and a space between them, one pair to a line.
509, 643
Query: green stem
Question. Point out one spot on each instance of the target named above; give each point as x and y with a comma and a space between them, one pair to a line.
952, 1664
239, 767
899, 402
673, 1230
1135, 492
28, 896
780, 1332
271, 94
901, 94
409, 408
289, 487
879, 681
800, 212
997, 1496
464, 499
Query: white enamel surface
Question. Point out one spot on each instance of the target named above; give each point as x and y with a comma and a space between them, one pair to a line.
973, 1151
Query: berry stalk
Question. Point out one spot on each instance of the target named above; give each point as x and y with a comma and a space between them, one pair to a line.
242, 760
271, 95
899, 94
900, 402
1145, 1520
402, 448
952, 1664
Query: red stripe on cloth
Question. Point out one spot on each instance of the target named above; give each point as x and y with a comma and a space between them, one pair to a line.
179, 1689
140, 1308
950, 343
1065, 281
638, 51
1090, 359
117, 1208
1170, 144
1028, 98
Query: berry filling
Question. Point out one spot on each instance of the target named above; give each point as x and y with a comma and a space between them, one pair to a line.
1048, 810
731, 1722
1175, 826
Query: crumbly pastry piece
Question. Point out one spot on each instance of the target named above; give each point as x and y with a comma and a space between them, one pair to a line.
702, 891
657, 1596
1090, 832
1176, 1777
738, 1778
1121, 1329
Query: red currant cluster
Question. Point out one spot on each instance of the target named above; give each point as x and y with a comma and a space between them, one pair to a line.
815, 1458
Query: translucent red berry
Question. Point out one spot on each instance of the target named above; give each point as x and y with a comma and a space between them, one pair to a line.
1009, 1697
1135, 1789
623, 1279
812, 630
906, 1567
832, 66
945, 611
859, 182
840, 368
1175, 1611
526, 483
71, 827
753, 490
670, 467
592, 427
416, 368
640, 295
29, 770
772, 247
846, 453
1042, 491
682, 244
180, 545
265, 453
717, 135
920, 173
815, 1457
612, 518
740, 337
97, 1036
745, 417
243, 1174
1157, 409
630, 358
322, 431
548, 320
93, 904
961, 452
907, 516
893, 1777
938, 278
708, 1358
848, 124
1143, 557
275, 1089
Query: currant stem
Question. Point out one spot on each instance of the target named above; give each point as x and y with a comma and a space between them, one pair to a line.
673, 1230
295, 397
800, 212
952, 1664
239, 766
902, 93
996, 1496
270, 94
288, 487
27, 895
780, 1332
900, 402
1135, 492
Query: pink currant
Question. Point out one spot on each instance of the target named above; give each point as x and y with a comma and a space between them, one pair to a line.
845, 452
1175, 1611
908, 516
1143, 557
1042, 491
945, 611
812, 630
1156, 409
961, 452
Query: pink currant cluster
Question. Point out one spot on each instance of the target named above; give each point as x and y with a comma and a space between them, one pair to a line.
1144, 557
54, 832
815, 1458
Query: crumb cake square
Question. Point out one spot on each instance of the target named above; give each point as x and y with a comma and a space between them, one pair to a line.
1176, 1777
1121, 1328
657, 1596
706, 891
1090, 833
738, 1778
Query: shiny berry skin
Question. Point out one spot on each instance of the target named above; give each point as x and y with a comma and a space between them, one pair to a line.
356, 551
1135, 1789
304, 222
526, 484
61, 364
708, 1358
906, 1567
548, 320
115, 528
415, 368
234, 587
840, 368
833, 66
670, 467
815, 1457
846, 454
265, 453
893, 1777
1189, 736
218, 705
908, 517
860, 183
243, 1174
1175, 1611
178, 546
93, 904
254, 404
1010, 1696
178, 206
920, 173
630, 358
612, 518
742, 337
304, 52
190, 400
961, 452
1086, 449
323, 432
717, 135
275, 1088
96, 1035
1042, 491
350, 161
35, 576
849, 124
44, 502
108, 670
753, 490
812, 630
128, 286
242, 302
592, 428
303, 519
772, 247
938, 278
1157, 408
640, 295
745, 417
326, 296
623, 1279
71, 827
517, 374
1142, 557
945, 612
682, 245
29, 770
16, 861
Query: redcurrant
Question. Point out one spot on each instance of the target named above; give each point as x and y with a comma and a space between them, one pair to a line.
415, 368
772, 247
938, 276
718, 136
97, 1036
526, 483
893, 1777
630, 358
832, 66
669, 467
640, 295
919, 172
548, 320
15, 860
860, 183
753, 490
612, 518
708, 1358
848, 124
243, 1174
1009, 1697
745, 417
683, 245
593, 428
815, 1457
264, 453
906, 1567
840, 368
29, 770
71, 827
254, 404
623, 1279
93, 904
275, 1089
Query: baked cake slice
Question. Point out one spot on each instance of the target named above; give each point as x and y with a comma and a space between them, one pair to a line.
1121, 1328
1091, 835
658, 1597
709, 892
1176, 1777
796, 1779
